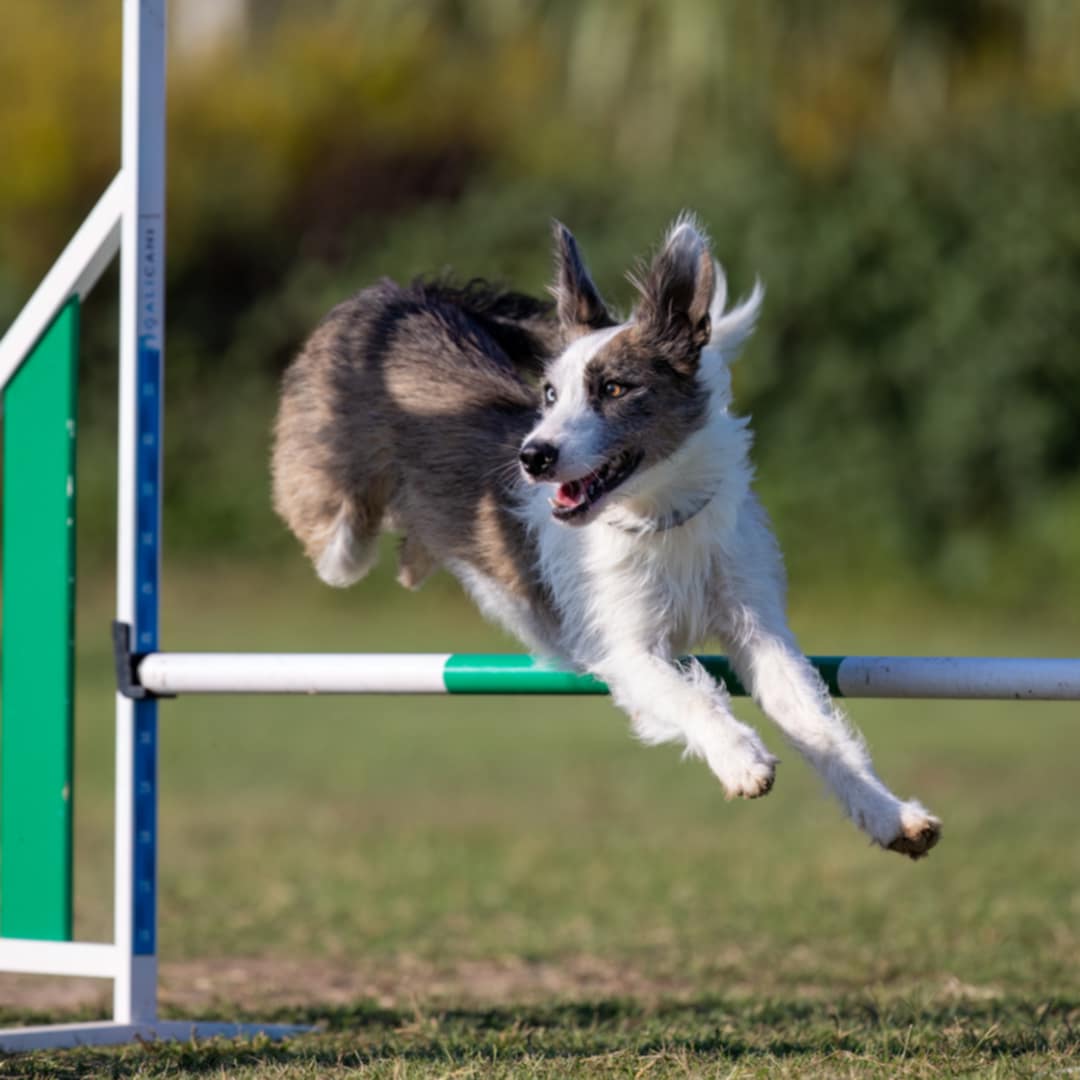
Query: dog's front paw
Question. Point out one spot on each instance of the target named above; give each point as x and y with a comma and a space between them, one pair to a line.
755, 780
747, 771
919, 832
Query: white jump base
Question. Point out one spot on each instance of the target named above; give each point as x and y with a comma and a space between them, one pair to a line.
112, 1033
101, 960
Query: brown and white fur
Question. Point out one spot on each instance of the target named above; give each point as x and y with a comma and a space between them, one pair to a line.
606, 520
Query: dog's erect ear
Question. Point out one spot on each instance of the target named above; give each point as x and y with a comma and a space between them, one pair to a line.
577, 300
676, 294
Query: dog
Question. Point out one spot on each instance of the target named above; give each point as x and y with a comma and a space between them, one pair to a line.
585, 479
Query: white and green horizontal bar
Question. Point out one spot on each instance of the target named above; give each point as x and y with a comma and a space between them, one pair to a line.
167, 673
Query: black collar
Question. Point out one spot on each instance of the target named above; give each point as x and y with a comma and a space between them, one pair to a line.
666, 521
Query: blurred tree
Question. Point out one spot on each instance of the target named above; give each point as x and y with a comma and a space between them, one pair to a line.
901, 173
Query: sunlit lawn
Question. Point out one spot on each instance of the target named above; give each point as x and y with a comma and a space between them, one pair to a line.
473, 866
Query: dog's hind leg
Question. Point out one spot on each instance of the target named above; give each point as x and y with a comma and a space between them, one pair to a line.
415, 563
337, 517
349, 548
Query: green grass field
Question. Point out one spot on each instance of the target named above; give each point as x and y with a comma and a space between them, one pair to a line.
511, 886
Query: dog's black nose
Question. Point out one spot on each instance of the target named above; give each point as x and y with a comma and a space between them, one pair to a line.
538, 457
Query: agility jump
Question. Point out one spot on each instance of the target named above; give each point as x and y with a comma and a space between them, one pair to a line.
37, 375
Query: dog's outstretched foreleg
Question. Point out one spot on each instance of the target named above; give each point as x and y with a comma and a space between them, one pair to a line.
681, 703
789, 691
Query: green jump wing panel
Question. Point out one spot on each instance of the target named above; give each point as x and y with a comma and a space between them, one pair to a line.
37, 662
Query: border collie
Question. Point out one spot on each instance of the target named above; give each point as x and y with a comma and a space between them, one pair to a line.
587, 482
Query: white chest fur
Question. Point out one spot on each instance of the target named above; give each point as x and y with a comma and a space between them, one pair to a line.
618, 591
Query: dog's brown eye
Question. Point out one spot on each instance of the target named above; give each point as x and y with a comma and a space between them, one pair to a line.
613, 389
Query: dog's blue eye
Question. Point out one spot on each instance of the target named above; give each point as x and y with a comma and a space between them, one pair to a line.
549, 394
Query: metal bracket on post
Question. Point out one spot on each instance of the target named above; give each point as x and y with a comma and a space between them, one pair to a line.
127, 665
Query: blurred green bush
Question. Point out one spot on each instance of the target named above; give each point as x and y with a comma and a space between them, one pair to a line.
901, 173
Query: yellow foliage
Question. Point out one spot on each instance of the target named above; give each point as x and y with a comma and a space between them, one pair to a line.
323, 103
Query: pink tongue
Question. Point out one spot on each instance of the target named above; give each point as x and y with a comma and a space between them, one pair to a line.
571, 494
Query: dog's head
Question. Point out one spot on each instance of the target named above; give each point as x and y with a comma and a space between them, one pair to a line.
623, 397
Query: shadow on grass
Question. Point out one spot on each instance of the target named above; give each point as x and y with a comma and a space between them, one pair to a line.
967, 1034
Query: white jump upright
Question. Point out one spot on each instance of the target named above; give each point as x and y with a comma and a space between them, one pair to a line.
138, 559
131, 215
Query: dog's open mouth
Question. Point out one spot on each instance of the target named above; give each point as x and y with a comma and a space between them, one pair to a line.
575, 498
